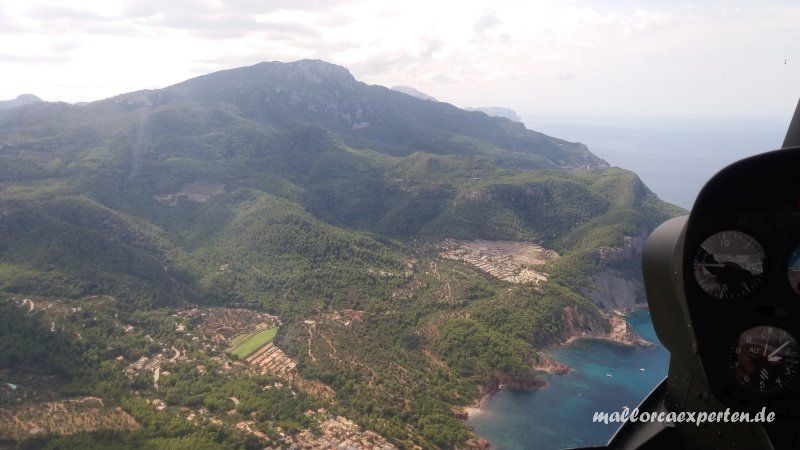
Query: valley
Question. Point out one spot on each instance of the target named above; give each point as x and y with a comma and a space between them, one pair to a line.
281, 255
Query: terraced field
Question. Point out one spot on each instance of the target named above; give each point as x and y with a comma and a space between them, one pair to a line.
505, 260
67, 416
244, 347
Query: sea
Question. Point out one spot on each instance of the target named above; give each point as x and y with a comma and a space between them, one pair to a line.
605, 377
674, 158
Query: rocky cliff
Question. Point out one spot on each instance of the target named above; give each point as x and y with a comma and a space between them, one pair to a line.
610, 327
618, 286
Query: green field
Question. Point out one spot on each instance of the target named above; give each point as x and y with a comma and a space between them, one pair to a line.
238, 339
254, 342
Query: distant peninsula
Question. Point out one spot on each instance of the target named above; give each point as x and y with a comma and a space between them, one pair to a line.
498, 111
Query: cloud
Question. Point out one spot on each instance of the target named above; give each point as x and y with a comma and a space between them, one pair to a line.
202, 18
647, 20
7, 22
335, 20
43, 52
49, 58
204, 14
64, 47
61, 21
261, 6
209, 25
59, 12
547, 53
429, 45
149, 8
486, 22
381, 63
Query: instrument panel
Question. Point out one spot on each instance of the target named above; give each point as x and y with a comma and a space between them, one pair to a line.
742, 282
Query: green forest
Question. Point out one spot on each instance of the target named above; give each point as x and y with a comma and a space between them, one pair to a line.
219, 192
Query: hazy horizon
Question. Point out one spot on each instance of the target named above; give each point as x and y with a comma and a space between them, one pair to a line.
570, 59
531, 118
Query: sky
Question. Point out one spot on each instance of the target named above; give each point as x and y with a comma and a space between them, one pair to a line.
588, 59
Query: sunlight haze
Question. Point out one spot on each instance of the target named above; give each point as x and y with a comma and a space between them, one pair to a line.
564, 59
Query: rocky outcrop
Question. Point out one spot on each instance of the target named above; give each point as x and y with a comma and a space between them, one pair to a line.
619, 285
631, 247
502, 381
478, 443
613, 289
547, 365
610, 327
576, 323
623, 333
584, 325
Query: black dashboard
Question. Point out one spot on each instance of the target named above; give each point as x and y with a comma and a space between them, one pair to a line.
741, 280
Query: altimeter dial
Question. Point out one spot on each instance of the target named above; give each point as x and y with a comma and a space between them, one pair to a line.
764, 360
729, 265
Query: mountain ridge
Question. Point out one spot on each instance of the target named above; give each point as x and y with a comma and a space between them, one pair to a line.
362, 114
260, 189
20, 100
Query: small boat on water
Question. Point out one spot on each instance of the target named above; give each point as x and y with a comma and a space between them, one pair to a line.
642, 369
609, 375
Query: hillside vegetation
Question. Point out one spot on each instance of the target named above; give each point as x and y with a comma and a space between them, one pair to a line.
295, 190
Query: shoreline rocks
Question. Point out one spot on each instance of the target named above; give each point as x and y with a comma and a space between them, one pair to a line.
621, 333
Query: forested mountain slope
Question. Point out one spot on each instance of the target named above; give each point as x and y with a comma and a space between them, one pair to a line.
294, 190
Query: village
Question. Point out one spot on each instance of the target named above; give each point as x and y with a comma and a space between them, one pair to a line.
337, 432
29, 410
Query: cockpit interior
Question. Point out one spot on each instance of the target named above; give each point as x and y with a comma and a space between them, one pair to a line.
723, 288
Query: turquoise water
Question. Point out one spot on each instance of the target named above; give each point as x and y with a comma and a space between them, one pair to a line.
674, 159
560, 415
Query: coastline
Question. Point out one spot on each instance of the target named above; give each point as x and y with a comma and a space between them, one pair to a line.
546, 419
621, 333
499, 383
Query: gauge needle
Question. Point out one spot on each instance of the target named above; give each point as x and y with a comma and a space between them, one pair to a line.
772, 357
766, 341
710, 265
